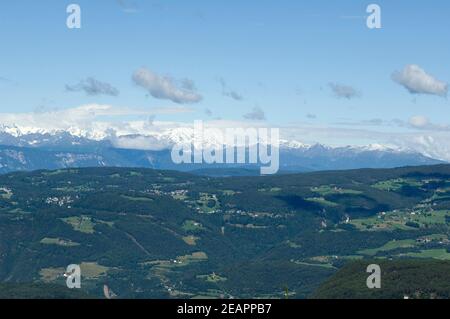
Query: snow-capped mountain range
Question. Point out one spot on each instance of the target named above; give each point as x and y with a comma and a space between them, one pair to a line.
28, 148
156, 139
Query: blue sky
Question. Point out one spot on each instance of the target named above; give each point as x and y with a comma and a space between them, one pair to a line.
278, 56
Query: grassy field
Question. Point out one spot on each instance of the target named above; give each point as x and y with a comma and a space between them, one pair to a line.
396, 184
136, 199
93, 270
59, 242
191, 226
403, 220
325, 265
89, 270
440, 254
208, 203
229, 192
270, 190
5, 193
191, 240
395, 244
51, 274
74, 189
322, 201
82, 224
214, 278
326, 190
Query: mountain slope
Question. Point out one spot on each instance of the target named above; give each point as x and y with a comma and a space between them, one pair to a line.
39, 291
413, 279
164, 234
18, 158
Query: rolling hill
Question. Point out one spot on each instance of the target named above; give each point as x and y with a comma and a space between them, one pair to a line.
163, 234
401, 279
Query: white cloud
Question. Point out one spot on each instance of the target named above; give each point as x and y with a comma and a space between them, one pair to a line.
166, 87
419, 121
435, 145
417, 81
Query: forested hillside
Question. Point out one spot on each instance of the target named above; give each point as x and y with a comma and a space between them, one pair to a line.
401, 279
160, 234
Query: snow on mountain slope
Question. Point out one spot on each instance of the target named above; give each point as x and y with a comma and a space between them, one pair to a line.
30, 148
161, 138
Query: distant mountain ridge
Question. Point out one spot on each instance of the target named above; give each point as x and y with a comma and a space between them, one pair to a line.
31, 149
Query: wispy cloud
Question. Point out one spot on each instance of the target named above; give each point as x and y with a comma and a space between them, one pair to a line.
370, 122
417, 122
257, 114
128, 6
417, 81
93, 87
226, 91
344, 91
166, 87
6, 80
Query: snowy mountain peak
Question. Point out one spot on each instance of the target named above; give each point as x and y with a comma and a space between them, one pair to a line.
294, 144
